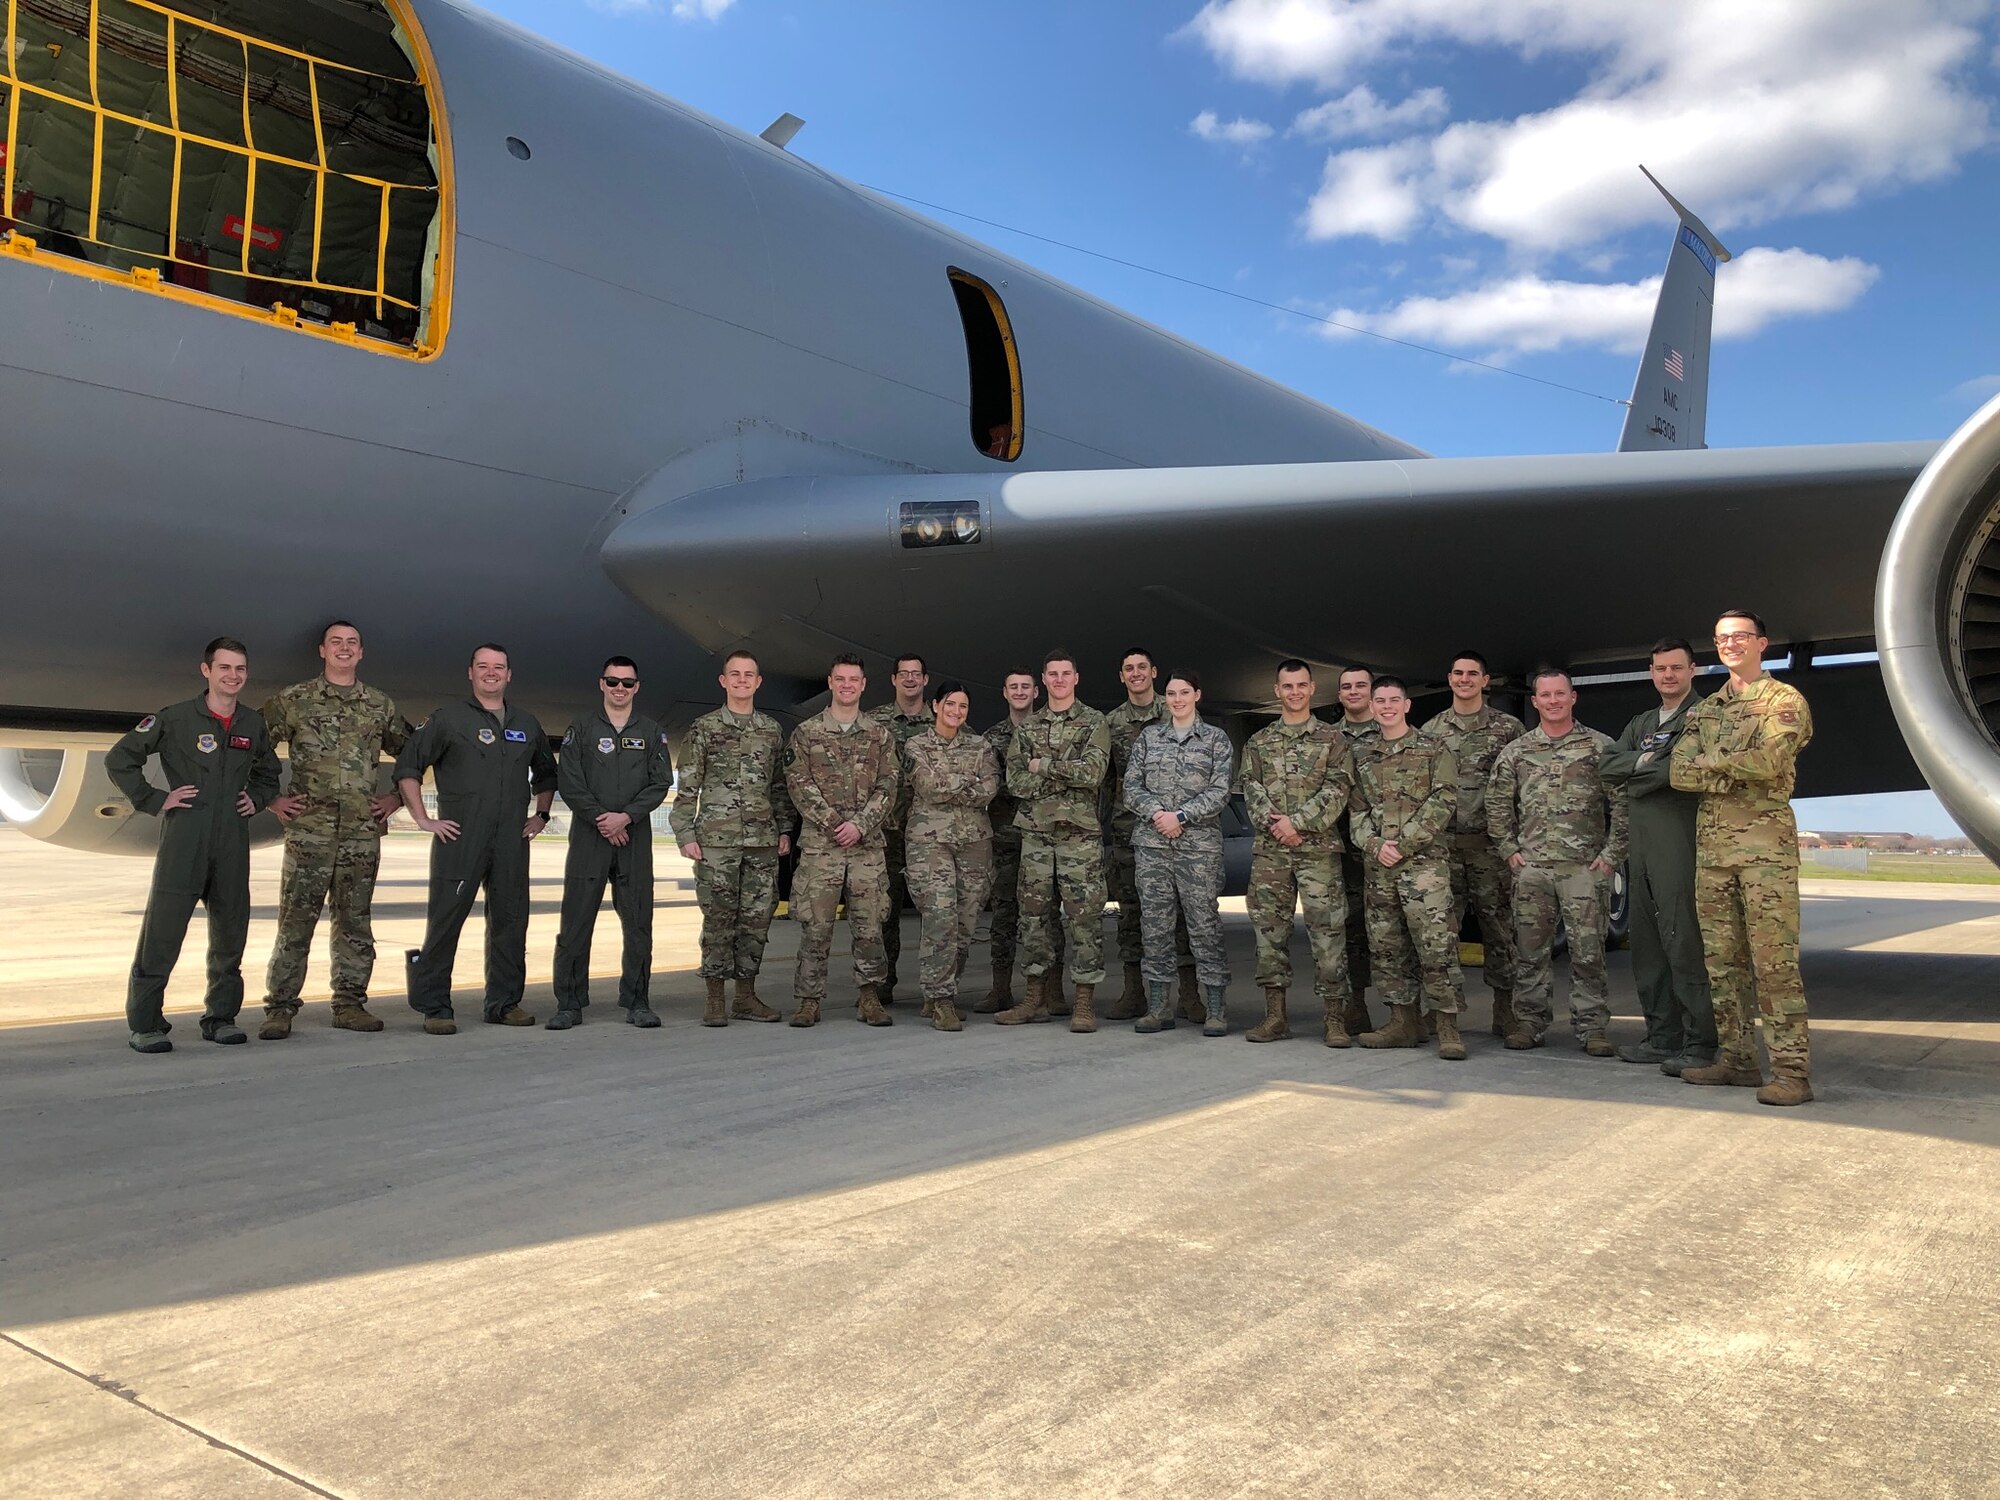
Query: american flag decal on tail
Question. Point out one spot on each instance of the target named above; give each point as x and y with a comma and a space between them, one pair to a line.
1674, 366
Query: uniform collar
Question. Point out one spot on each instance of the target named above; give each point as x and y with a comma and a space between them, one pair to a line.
335, 690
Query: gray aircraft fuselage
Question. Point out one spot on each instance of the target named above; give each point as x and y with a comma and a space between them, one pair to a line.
650, 291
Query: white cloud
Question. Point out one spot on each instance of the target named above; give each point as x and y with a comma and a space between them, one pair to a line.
1238, 132
682, 10
1361, 112
1529, 314
1978, 391
1746, 111
1367, 191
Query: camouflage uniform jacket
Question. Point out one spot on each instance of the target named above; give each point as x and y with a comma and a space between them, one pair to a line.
1475, 741
1547, 800
951, 783
1001, 738
902, 729
1060, 800
337, 737
1363, 739
1740, 751
1304, 772
842, 773
1405, 791
1126, 722
732, 787
1179, 770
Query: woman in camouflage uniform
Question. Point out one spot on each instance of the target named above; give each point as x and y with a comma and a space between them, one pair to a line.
1176, 785
952, 777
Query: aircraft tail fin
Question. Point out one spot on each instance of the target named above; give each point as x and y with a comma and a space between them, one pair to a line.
1669, 405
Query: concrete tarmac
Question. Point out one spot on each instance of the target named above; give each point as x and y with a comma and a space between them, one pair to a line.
756, 1261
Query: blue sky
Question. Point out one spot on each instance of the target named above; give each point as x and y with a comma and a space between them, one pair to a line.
1458, 175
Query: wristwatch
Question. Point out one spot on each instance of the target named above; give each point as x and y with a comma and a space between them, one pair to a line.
540, 813
1183, 817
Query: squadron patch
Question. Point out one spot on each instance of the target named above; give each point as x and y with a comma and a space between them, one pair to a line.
145, 724
205, 743
518, 736
663, 735
1786, 716
486, 736
569, 735
604, 745
636, 742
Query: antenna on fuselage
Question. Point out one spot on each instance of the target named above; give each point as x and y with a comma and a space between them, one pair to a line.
781, 130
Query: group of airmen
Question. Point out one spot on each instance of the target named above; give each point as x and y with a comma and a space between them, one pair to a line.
1382, 833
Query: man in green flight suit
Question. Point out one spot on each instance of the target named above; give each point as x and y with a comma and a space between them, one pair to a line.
336, 730
616, 768
485, 755
1667, 963
219, 763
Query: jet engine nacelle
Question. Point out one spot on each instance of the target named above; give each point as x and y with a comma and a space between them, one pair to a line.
1937, 624
61, 795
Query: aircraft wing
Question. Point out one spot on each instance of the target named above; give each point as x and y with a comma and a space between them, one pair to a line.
1398, 564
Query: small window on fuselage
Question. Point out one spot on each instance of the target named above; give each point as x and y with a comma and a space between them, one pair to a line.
994, 365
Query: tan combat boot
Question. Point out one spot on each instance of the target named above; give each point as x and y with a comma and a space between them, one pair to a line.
1334, 1028
944, 1016
868, 1008
1001, 995
354, 1017
1083, 1014
1275, 1028
807, 1014
277, 1026
1503, 1012
1034, 1008
1522, 1038
1787, 1086
1190, 998
1131, 1002
1597, 1044
714, 1010
1356, 1018
1403, 1030
749, 1006
1451, 1046
440, 1026
513, 1015
1723, 1072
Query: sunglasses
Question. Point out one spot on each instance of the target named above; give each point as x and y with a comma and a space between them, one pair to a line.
619, 681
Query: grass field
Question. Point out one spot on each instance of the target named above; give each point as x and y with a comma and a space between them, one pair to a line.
1955, 870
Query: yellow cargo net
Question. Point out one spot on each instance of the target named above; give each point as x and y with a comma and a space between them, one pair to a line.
176, 63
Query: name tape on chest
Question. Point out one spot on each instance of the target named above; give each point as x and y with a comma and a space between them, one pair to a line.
239, 742
517, 736
635, 742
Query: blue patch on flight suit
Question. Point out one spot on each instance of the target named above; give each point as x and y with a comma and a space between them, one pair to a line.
604, 745
518, 736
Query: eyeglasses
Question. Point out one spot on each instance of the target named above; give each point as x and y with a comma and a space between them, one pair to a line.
619, 681
1735, 637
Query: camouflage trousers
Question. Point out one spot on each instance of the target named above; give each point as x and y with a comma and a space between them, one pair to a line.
1062, 884
816, 888
948, 884
1178, 887
339, 875
1578, 898
1354, 875
1750, 933
1281, 880
1480, 879
895, 857
1122, 880
1412, 938
1003, 936
737, 890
